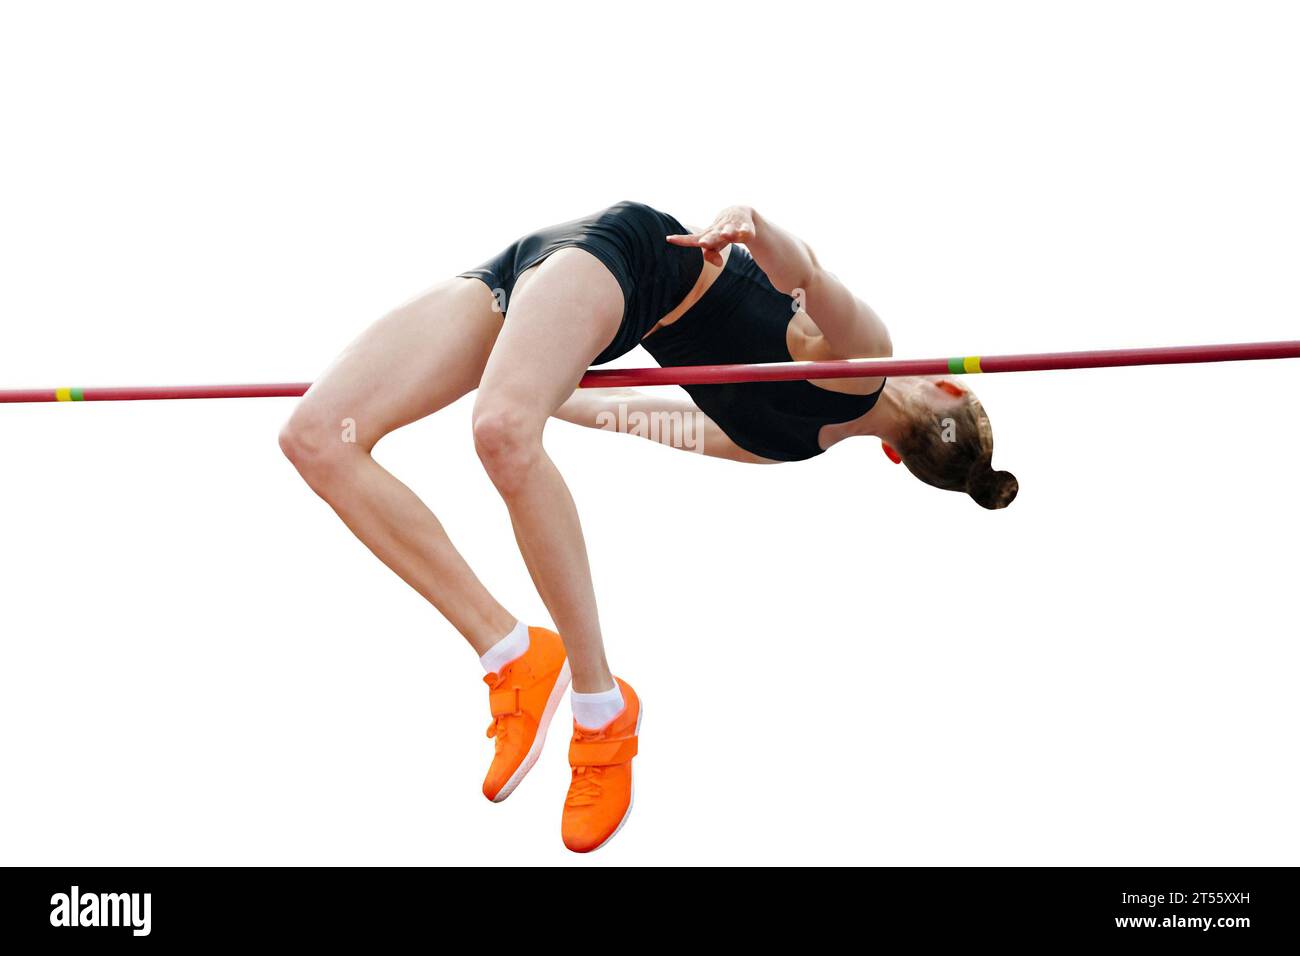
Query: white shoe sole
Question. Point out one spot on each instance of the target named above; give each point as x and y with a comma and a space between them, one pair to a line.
535, 751
631, 792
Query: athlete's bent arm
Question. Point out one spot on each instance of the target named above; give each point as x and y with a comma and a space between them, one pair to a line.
667, 419
848, 324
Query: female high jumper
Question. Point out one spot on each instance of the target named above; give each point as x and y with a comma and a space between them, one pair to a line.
522, 329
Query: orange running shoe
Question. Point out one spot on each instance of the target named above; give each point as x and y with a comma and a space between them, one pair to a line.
523, 697
600, 794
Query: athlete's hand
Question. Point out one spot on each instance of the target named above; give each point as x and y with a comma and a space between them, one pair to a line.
733, 224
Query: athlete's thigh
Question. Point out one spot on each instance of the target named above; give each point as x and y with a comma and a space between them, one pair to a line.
417, 359
562, 315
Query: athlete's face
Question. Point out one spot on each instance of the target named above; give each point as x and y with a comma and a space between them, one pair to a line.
933, 399
940, 392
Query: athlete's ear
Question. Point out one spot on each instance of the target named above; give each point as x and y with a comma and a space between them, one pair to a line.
890, 453
956, 391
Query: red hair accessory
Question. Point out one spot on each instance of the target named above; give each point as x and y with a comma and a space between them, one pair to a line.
890, 453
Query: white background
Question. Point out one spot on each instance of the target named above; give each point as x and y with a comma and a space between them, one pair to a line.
199, 665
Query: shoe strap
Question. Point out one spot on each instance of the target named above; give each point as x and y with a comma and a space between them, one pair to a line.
504, 701
601, 753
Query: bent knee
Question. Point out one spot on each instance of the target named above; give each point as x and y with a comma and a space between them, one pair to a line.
317, 446
508, 441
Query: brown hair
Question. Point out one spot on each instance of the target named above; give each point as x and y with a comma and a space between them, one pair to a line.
954, 451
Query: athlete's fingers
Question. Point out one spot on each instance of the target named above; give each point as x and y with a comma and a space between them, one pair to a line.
712, 241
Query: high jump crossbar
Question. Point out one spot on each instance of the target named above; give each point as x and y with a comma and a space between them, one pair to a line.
723, 374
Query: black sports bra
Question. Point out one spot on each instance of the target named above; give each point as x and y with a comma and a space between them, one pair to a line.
743, 318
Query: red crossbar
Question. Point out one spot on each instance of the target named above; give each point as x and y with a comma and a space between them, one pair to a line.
719, 374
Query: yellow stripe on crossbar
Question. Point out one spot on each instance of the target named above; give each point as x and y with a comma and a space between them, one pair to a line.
63, 394
971, 364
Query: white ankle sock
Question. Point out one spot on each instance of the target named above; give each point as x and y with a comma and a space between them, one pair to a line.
510, 648
594, 711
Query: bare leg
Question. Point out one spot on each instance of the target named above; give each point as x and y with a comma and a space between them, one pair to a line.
419, 358
560, 319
